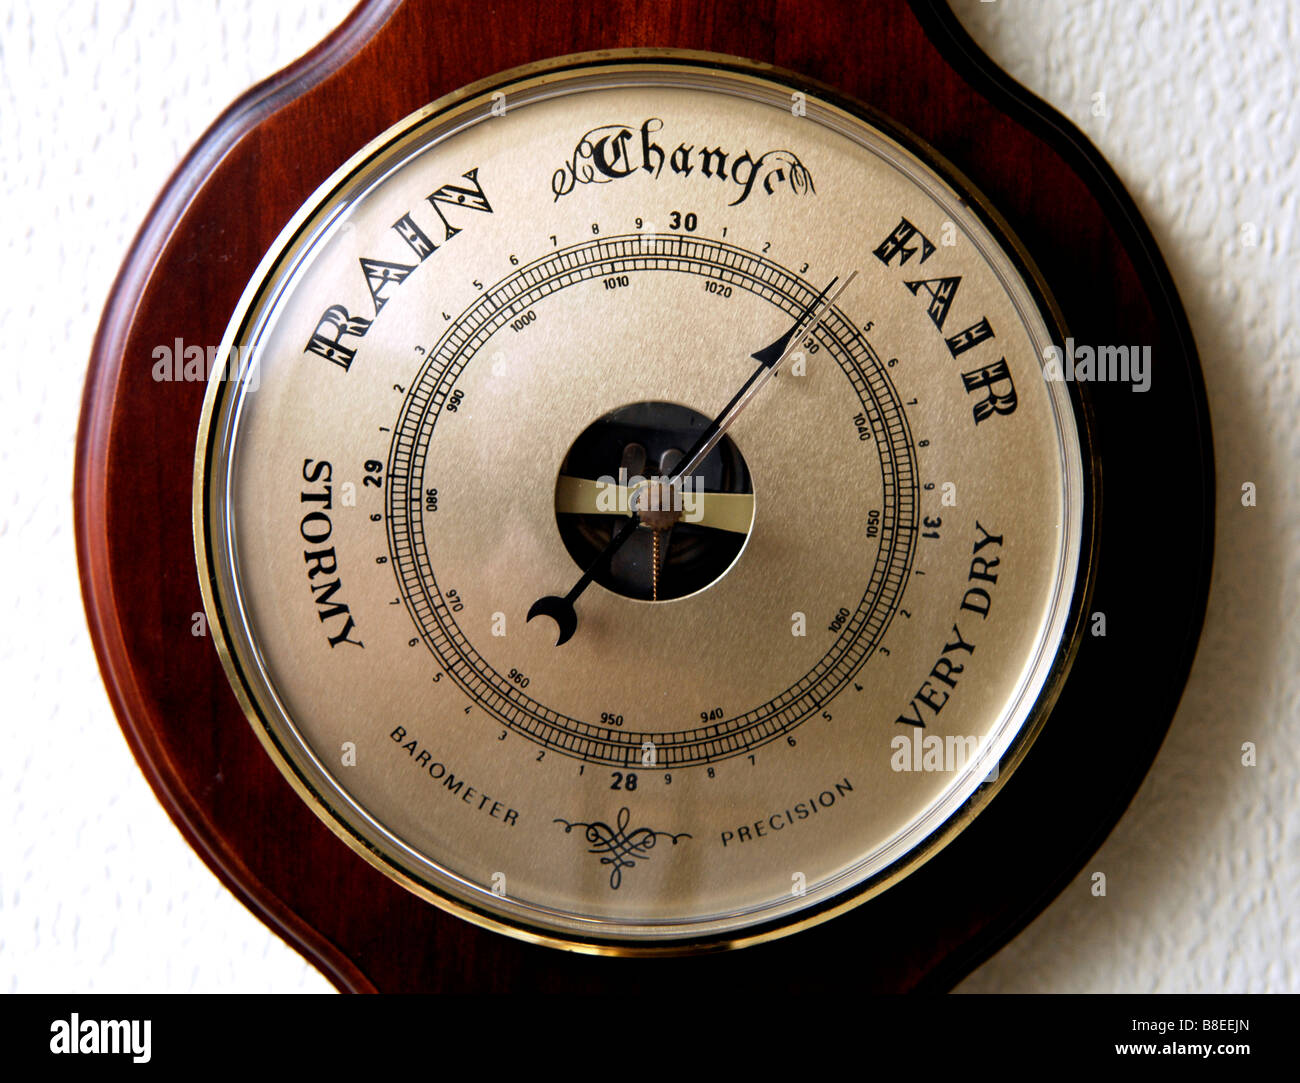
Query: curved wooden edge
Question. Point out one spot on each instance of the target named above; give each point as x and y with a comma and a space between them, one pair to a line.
91, 473
965, 56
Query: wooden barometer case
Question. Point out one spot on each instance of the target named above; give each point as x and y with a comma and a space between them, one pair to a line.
600, 497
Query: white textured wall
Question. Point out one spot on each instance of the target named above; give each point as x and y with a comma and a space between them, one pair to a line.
100, 99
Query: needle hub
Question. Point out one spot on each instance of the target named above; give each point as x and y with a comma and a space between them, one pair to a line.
657, 503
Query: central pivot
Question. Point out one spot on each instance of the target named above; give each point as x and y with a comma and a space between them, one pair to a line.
658, 504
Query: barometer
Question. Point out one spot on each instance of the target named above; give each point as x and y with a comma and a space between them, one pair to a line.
648, 502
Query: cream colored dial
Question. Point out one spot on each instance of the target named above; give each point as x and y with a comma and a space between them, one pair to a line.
470, 350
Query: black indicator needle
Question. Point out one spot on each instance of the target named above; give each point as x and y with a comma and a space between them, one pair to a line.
561, 610
769, 358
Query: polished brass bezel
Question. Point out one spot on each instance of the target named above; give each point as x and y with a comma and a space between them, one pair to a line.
295, 236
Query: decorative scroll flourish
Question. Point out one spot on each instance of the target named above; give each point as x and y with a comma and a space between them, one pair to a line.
618, 847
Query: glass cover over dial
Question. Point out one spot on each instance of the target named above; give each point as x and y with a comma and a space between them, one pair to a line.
463, 387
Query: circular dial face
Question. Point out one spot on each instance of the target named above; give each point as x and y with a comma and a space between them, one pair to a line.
478, 402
